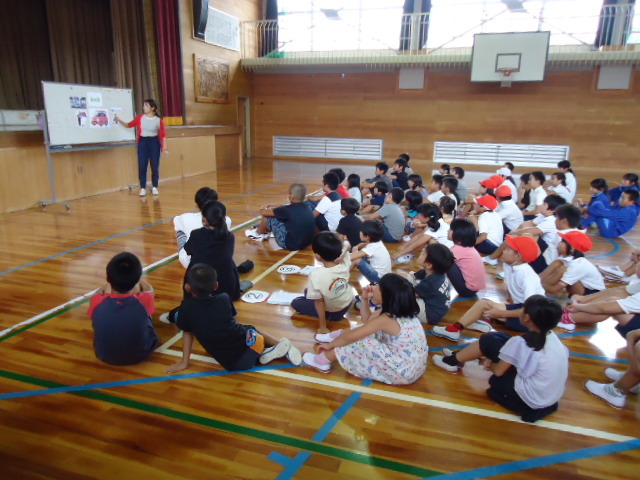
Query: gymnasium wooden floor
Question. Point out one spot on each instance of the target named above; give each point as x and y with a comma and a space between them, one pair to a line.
65, 415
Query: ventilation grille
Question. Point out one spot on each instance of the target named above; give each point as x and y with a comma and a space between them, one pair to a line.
322, 147
496, 154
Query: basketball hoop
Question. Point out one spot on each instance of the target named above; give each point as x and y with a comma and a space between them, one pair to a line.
506, 76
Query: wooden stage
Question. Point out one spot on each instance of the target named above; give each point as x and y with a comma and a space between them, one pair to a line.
65, 415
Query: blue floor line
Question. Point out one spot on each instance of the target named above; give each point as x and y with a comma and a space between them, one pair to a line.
538, 462
616, 249
599, 357
136, 381
98, 242
293, 465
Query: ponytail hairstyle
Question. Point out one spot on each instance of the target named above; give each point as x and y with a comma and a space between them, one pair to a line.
600, 184
572, 251
416, 179
432, 213
545, 314
215, 213
632, 178
153, 104
398, 296
565, 164
562, 177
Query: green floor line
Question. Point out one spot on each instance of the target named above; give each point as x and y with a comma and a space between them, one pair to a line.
310, 446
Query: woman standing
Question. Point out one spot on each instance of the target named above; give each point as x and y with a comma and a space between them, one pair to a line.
151, 143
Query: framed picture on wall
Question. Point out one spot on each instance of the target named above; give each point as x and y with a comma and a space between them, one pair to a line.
211, 80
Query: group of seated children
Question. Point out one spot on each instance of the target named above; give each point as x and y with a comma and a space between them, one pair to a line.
537, 238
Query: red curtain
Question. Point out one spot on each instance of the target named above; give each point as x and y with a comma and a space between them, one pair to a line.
169, 57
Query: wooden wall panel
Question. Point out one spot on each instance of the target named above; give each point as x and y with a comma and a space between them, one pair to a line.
239, 81
600, 126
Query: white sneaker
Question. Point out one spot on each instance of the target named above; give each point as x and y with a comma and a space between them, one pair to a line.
438, 361
324, 337
444, 333
404, 259
614, 271
406, 238
480, 326
277, 351
615, 375
607, 392
309, 358
294, 355
154, 191
164, 318
254, 235
143, 192
500, 275
490, 261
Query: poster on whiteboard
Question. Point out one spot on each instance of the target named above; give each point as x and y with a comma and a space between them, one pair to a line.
222, 30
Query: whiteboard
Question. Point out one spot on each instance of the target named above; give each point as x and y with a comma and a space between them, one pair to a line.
81, 114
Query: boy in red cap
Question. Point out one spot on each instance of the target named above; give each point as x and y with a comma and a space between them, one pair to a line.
522, 282
572, 271
509, 212
488, 224
487, 187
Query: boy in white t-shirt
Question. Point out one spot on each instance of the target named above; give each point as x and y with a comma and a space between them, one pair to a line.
435, 189
188, 222
522, 282
372, 259
509, 212
536, 195
328, 211
488, 223
329, 294
572, 271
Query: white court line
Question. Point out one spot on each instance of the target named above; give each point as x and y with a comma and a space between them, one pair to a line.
166, 345
89, 294
588, 432
273, 267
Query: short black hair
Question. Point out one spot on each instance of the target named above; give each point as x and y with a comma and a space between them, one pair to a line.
413, 198
350, 205
440, 257
632, 194
600, 184
204, 196
463, 232
631, 177
553, 201
398, 296
202, 279
446, 167
447, 204
328, 245
571, 213
353, 181
382, 166
382, 187
331, 179
397, 195
405, 156
525, 178
538, 175
401, 162
450, 182
339, 172
123, 272
416, 179
374, 229
510, 166
459, 171
564, 164
437, 179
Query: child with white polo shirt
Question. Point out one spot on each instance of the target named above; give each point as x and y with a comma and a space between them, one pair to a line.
572, 271
488, 223
536, 195
509, 212
435, 189
328, 211
372, 259
522, 282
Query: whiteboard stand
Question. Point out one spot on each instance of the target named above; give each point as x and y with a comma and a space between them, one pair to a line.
52, 179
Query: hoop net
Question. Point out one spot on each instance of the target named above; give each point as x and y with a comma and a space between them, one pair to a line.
506, 76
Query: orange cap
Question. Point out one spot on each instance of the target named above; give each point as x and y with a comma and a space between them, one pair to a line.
504, 191
488, 201
527, 247
578, 240
494, 181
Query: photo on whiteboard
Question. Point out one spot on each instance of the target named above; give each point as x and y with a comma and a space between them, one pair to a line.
94, 99
82, 119
78, 102
114, 111
99, 118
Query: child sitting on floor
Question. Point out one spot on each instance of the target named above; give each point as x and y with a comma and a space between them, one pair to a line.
529, 371
522, 282
378, 196
430, 227
350, 224
488, 223
415, 184
433, 287
508, 211
389, 347
211, 319
448, 209
392, 216
572, 271
120, 312
328, 295
614, 221
353, 187
372, 257
467, 275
